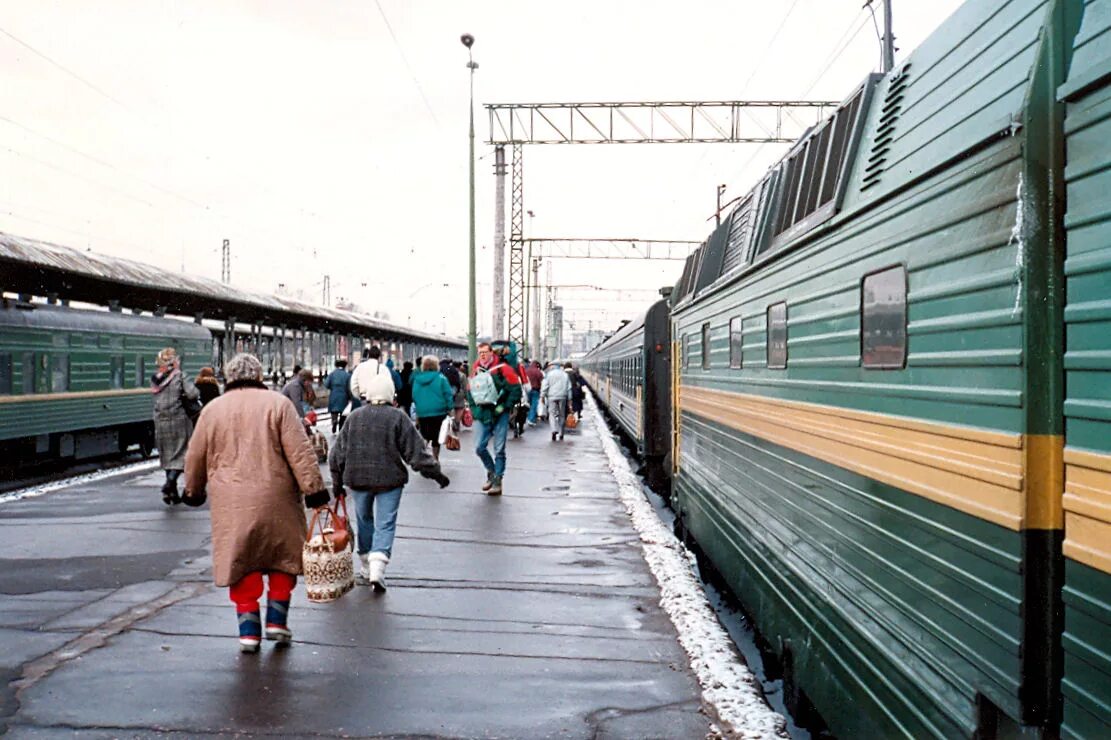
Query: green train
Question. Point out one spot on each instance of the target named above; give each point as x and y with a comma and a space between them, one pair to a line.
75, 383
891, 383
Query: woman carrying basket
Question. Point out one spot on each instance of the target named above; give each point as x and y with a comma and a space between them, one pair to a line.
250, 456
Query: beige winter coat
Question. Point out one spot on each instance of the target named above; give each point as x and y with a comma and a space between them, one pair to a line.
250, 453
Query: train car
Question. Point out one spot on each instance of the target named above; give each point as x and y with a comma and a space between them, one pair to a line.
1086, 686
75, 383
875, 389
630, 374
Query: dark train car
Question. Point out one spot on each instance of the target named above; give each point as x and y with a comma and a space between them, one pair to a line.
885, 350
630, 374
76, 383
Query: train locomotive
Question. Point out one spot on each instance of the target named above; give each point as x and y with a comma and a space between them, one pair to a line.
75, 384
890, 388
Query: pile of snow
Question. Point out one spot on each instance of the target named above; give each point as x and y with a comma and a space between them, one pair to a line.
99, 475
728, 687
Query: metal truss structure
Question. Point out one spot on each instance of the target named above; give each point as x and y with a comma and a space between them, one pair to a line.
611, 249
665, 122
668, 122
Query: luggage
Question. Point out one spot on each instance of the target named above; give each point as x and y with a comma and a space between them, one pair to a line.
320, 446
447, 434
483, 389
327, 559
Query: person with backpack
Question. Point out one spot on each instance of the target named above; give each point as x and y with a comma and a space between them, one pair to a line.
495, 388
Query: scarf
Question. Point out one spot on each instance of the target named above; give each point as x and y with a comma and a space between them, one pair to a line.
160, 380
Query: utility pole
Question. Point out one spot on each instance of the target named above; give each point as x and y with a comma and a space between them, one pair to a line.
472, 330
499, 241
535, 347
326, 298
717, 213
225, 263
888, 39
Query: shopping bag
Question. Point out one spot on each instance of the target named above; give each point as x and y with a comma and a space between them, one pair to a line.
452, 443
326, 559
541, 409
445, 430
468, 418
572, 421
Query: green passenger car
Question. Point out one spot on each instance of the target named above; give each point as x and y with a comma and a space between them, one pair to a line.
880, 375
1086, 685
76, 383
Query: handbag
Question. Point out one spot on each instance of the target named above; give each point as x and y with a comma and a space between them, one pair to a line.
445, 430
191, 406
572, 421
326, 559
468, 417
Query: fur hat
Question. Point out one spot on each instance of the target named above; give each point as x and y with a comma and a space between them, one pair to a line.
381, 388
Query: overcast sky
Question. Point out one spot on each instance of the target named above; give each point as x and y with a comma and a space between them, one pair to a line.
330, 137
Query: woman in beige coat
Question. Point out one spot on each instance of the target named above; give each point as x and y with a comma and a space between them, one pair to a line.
250, 456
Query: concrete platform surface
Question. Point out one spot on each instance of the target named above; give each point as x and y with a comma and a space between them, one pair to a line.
528, 615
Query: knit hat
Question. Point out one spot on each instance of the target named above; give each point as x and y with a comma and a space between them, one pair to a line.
380, 389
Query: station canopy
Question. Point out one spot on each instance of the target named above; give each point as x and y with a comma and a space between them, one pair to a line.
33, 267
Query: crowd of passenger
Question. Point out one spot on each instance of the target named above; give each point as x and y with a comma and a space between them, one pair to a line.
254, 454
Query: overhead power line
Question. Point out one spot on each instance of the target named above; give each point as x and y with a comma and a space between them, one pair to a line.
405, 60
55, 63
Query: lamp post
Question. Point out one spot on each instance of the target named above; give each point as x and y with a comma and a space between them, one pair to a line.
472, 327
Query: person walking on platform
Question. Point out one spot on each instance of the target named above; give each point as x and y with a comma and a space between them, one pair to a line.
577, 383
176, 403
251, 460
433, 398
405, 395
339, 394
535, 378
369, 457
457, 381
370, 367
555, 392
494, 389
297, 390
207, 385
398, 383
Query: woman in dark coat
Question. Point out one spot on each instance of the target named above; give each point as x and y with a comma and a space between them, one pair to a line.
173, 392
576, 389
207, 385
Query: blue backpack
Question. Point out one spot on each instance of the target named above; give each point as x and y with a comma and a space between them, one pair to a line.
483, 389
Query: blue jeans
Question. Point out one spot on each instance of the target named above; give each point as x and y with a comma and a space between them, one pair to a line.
533, 405
498, 430
375, 533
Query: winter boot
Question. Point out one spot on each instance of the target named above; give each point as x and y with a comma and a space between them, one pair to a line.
250, 631
169, 492
378, 563
489, 481
277, 616
362, 577
495, 486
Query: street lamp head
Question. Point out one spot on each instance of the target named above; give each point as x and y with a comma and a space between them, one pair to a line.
467, 39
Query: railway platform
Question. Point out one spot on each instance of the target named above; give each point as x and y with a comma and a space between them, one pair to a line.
533, 614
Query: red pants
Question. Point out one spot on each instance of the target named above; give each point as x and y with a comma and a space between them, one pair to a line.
246, 591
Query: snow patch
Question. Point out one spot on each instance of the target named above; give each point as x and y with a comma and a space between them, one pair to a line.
728, 686
1017, 240
99, 475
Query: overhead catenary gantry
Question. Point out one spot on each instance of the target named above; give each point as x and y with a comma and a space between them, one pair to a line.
661, 122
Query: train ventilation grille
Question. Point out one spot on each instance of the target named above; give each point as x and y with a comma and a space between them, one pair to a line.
885, 131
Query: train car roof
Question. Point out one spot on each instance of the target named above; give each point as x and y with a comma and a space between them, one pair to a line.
629, 327
63, 318
43, 268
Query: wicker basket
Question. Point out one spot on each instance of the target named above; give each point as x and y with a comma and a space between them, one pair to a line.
329, 571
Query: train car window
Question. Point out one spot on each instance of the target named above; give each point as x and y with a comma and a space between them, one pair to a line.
140, 371
735, 342
116, 379
59, 374
777, 336
5, 374
27, 372
706, 346
42, 372
883, 319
